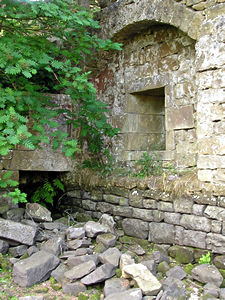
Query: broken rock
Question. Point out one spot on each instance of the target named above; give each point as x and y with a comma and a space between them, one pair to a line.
18, 232
34, 269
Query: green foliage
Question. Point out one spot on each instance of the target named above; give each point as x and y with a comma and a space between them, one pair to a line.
45, 194
43, 45
205, 259
17, 196
102, 166
148, 164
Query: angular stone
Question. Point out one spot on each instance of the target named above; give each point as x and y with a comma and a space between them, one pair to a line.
93, 229
125, 260
80, 271
158, 257
18, 251
207, 273
151, 265
173, 289
34, 269
4, 247
183, 205
195, 223
75, 233
15, 214
18, 232
37, 212
74, 261
102, 273
135, 228
116, 285
219, 261
58, 273
172, 218
176, 272
53, 226
55, 245
73, 288
216, 242
31, 250
109, 222
194, 238
147, 282
75, 244
111, 255
131, 294
143, 214
215, 212
161, 233
107, 239
137, 249
180, 118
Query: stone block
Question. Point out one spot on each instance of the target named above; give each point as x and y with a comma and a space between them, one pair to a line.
180, 118
195, 223
198, 209
88, 205
216, 226
144, 142
115, 199
104, 207
216, 242
74, 194
123, 211
165, 206
161, 233
194, 238
96, 195
143, 214
135, 228
215, 212
40, 160
205, 175
172, 218
205, 199
183, 205
149, 203
219, 175
158, 216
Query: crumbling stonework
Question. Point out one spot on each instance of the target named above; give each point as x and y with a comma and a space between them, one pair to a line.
172, 50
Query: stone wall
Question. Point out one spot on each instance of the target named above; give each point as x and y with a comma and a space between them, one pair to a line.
177, 47
146, 211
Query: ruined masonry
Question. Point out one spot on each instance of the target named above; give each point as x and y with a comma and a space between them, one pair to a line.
165, 89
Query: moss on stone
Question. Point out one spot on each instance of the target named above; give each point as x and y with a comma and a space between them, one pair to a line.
83, 217
118, 273
188, 268
163, 267
222, 272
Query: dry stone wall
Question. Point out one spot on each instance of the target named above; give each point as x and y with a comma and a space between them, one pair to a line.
148, 213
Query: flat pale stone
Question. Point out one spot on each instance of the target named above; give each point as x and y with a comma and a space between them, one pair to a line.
146, 281
93, 229
131, 294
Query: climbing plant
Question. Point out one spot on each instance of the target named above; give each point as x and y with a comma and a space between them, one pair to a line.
44, 46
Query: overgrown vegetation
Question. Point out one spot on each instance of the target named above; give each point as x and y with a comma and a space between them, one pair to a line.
205, 259
148, 164
47, 191
44, 45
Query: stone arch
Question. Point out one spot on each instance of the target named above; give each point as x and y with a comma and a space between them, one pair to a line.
122, 19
